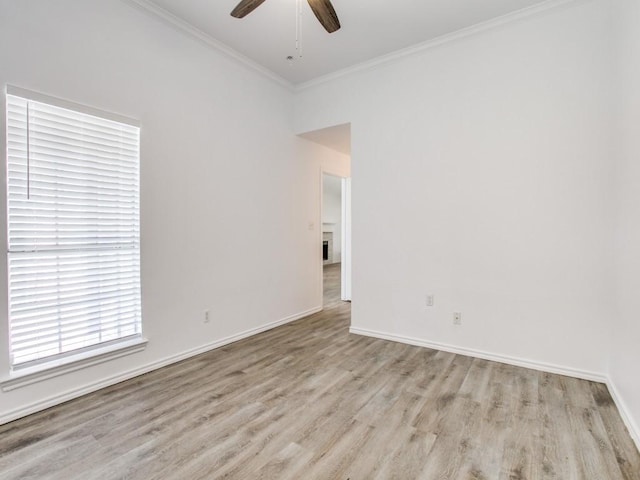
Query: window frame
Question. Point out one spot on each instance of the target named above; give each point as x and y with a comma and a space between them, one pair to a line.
63, 362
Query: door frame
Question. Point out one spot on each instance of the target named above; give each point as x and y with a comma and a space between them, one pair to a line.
345, 234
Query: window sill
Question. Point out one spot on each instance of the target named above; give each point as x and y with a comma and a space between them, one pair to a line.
28, 376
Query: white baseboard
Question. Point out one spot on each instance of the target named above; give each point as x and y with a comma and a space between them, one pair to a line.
468, 352
633, 428
631, 425
106, 382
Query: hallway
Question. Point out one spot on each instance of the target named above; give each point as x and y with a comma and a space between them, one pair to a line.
331, 290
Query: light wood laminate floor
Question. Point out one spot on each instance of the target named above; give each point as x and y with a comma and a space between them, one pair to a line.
310, 401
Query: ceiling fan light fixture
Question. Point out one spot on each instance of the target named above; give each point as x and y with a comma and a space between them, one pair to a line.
326, 14
245, 7
322, 9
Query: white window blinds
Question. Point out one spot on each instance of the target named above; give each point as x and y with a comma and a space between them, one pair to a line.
74, 231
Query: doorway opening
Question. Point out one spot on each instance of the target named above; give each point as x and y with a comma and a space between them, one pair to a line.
333, 239
334, 247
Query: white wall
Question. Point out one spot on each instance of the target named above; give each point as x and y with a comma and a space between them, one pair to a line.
482, 168
334, 163
212, 132
625, 359
332, 212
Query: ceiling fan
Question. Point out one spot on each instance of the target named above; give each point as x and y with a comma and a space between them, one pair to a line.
323, 10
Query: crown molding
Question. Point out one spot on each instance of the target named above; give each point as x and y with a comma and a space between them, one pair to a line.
436, 42
153, 10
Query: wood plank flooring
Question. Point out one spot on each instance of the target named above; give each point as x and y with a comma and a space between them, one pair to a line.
310, 401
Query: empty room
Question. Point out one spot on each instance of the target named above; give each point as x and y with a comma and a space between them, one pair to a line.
313, 239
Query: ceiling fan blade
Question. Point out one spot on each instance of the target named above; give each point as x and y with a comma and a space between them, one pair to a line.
325, 14
245, 7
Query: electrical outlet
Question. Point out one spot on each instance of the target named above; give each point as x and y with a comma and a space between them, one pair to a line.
206, 316
457, 318
430, 300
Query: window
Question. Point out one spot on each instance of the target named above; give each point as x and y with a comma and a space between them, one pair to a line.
73, 230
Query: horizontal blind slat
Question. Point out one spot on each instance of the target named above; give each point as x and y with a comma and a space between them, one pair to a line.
73, 228
108, 318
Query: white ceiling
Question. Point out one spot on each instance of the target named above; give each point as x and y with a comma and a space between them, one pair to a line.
337, 138
370, 28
